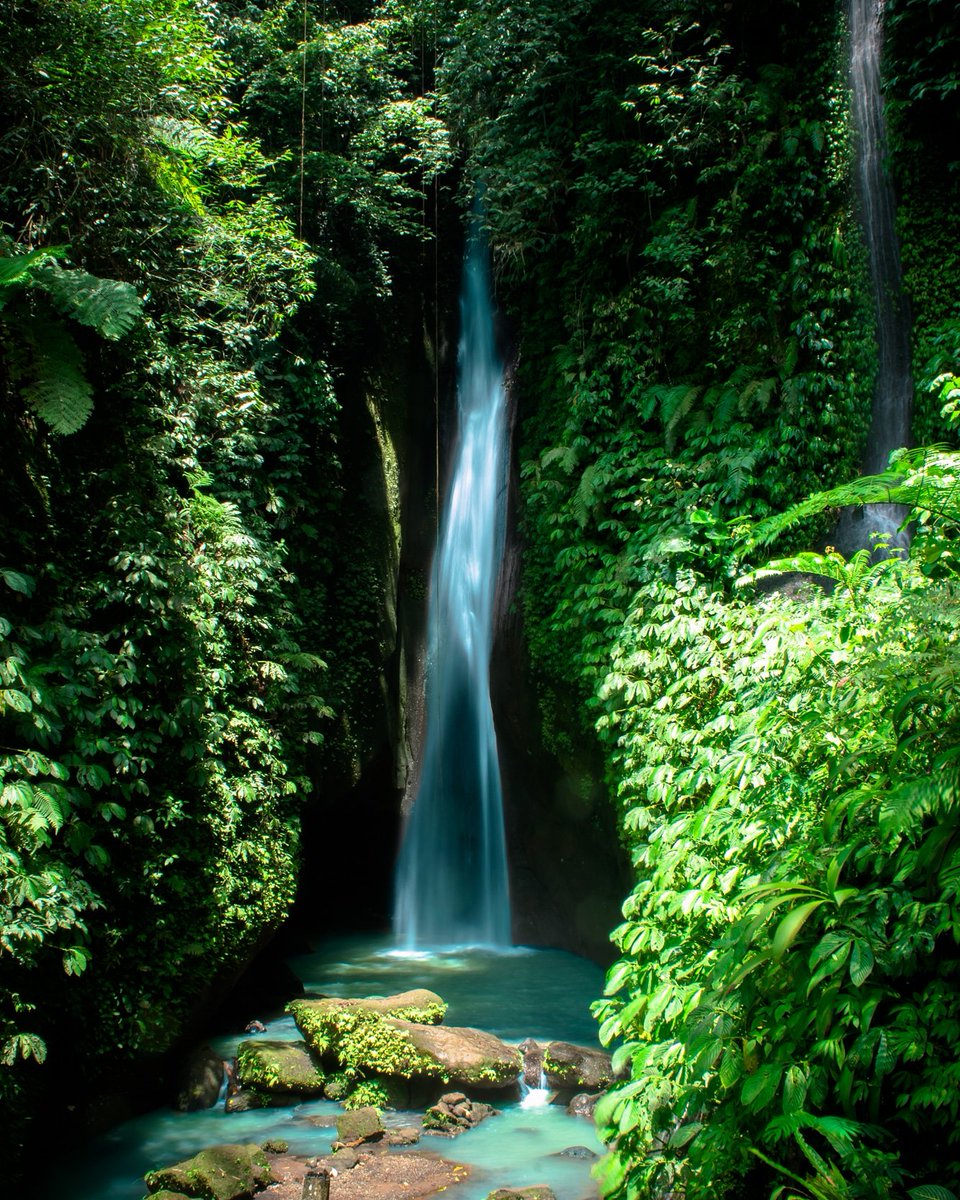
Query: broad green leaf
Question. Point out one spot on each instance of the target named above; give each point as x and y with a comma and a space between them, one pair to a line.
684, 1134
18, 701
18, 582
761, 1087
789, 928
794, 1089
861, 962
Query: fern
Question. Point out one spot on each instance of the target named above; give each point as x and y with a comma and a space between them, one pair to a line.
15, 268
109, 306
57, 391
926, 480
675, 404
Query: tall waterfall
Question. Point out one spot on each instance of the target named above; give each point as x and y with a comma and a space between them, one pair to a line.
893, 393
451, 884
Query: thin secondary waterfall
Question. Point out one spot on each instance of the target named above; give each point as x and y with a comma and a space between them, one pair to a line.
893, 393
452, 872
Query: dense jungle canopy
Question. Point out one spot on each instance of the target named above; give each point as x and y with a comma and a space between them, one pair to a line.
229, 237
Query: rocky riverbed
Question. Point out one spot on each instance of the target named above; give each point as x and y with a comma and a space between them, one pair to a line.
378, 1057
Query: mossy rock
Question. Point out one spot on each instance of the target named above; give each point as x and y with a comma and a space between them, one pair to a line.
229, 1172
338, 1085
279, 1067
166, 1194
468, 1057
363, 1042
362, 1125
582, 1067
359, 1040
419, 1005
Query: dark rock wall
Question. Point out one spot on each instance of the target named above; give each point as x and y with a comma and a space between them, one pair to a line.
567, 874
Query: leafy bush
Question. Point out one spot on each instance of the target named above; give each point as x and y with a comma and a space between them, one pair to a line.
787, 767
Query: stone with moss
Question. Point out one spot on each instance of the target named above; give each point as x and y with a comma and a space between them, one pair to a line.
454, 1113
361, 1042
228, 1172
338, 1085
287, 1068
166, 1194
361, 1125
468, 1057
419, 1005
582, 1067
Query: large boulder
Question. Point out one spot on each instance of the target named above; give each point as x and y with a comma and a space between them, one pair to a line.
229, 1172
418, 1004
364, 1041
468, 1057
361, 1042
580, 1067
279, 1068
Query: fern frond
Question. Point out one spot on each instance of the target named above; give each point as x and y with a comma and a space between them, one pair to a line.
109, 306
725, 405
757, 395
15, 267
675, 403
58, 391
908, 803
184, 137
174, 180
872, 489
585, 495
565, 456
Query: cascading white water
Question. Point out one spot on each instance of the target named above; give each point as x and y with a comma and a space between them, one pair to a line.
451, 884
893, 393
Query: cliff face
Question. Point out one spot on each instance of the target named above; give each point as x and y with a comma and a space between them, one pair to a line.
567, 874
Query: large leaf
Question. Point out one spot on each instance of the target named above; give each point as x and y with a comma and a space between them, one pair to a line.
109, 306
58, 391
789, 928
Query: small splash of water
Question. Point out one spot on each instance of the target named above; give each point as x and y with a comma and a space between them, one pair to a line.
452, 871
535, 1097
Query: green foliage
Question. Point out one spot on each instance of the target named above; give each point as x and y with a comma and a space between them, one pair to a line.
362, 1043
377, 1093
46, 364
786, 768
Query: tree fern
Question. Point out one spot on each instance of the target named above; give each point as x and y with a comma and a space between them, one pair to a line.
57, 389
109, 306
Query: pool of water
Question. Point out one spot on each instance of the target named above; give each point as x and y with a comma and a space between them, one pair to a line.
515, 994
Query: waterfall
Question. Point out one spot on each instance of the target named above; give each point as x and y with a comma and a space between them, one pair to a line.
451, 886
893, 392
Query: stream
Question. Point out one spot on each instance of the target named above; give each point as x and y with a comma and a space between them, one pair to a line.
514, 993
